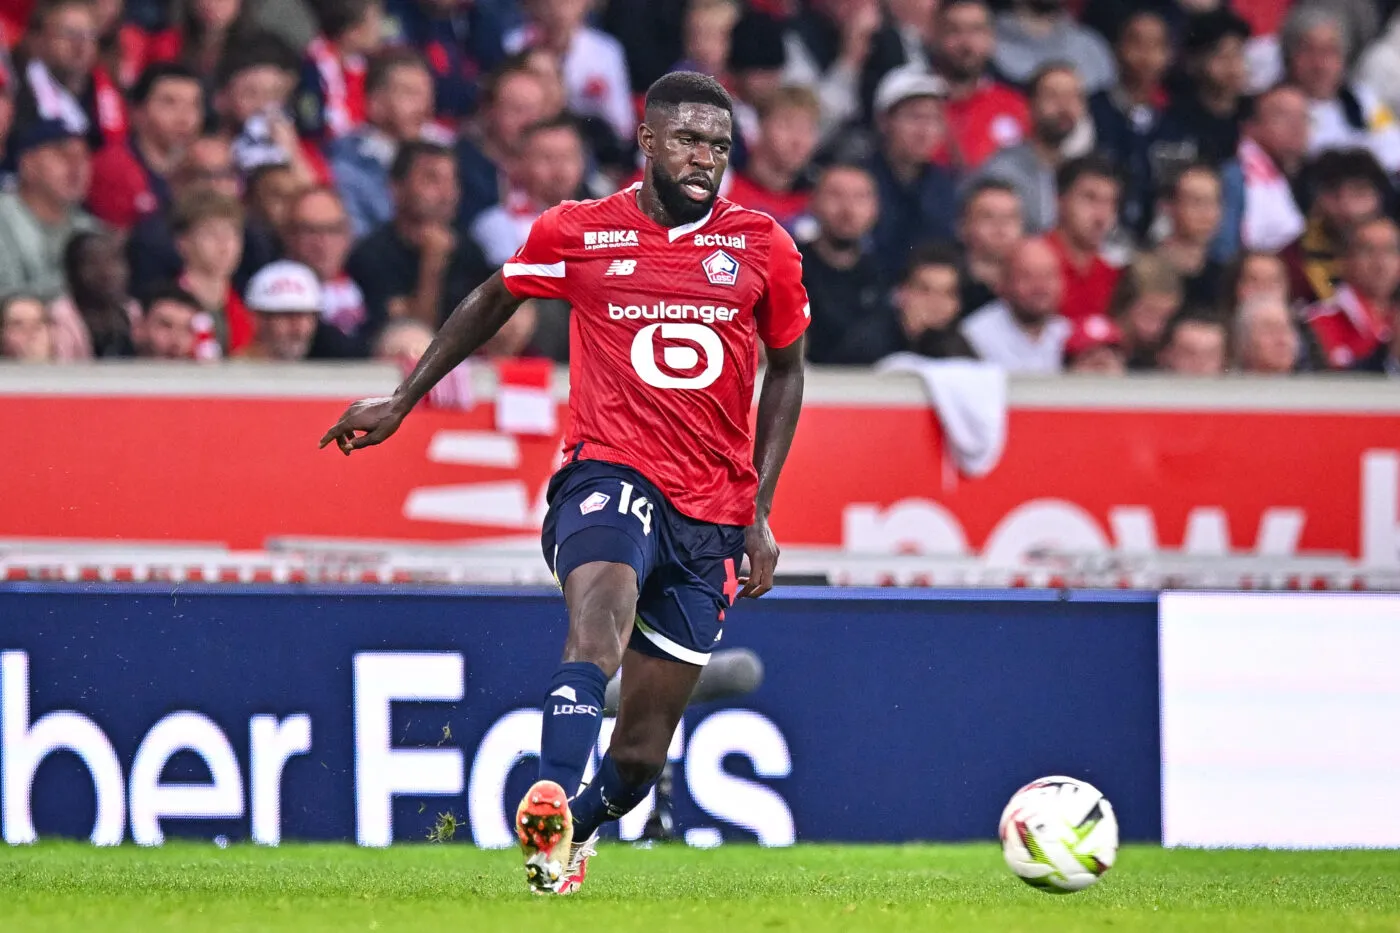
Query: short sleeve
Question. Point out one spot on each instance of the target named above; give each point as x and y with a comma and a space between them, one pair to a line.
783, 312
537, 270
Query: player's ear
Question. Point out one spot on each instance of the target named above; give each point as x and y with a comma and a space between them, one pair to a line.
646, 139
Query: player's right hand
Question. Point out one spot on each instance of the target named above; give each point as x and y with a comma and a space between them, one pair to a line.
375, 419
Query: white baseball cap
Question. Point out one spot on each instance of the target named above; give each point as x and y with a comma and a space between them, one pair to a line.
284, 286
905, 83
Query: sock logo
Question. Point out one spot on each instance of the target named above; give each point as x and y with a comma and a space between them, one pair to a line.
567, 693
575, 709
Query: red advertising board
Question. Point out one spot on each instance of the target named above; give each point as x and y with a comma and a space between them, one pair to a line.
241, 470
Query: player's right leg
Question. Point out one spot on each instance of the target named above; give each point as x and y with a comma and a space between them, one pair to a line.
599, 554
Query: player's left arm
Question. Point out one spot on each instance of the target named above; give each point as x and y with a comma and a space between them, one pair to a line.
782, 316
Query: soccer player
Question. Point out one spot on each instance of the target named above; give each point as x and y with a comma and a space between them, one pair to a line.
664, 488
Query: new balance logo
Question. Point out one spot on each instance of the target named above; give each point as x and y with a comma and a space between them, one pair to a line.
567, 693
622, 267
606, 239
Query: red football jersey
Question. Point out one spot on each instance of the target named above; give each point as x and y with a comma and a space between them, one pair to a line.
663, 338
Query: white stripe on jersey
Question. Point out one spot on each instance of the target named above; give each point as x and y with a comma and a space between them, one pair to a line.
551, 271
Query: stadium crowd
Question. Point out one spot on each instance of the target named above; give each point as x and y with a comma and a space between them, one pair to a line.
1193, 186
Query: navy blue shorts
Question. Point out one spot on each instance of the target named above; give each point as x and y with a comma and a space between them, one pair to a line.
687, 570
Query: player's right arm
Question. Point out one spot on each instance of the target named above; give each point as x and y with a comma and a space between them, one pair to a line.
536, 271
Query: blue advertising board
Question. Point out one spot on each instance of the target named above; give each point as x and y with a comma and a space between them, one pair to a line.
129, 712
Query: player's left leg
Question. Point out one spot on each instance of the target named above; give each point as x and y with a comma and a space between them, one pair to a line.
655, 691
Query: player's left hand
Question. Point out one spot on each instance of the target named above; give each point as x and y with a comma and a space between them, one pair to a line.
762, 551
372, 419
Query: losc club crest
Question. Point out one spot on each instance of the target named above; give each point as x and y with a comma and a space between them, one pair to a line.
721, 268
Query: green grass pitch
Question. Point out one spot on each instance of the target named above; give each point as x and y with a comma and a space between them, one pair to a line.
56, 888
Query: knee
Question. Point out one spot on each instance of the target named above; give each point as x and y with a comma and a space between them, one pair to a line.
637, 766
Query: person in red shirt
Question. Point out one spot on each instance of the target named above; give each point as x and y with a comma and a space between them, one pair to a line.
773, 181
1355, 324
209, 237
131, 181
1088, 209
984, 116
664, 487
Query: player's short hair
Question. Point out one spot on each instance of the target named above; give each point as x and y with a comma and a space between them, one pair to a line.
1093, 165
170, 293
409, 154
1059, 66
934, 253
203, 205
982, 186
383, 65
145, 85
687, 87
793, 97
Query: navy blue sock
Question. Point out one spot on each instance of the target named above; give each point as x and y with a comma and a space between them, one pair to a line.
606, 798
573, 714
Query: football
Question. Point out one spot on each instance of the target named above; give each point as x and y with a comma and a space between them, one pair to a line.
1059, 834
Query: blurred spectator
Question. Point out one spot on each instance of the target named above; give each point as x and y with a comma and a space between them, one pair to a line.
1149, 294
923, 313
984, 115
202, 30
270, 193
285, 301
1194, 345
403, 343
839, 270
165, 329
461, 41
330, 100
612, 158
774, 178
7, 120
398, 108
709, 26
132, 180
121, 46
1262, 185
318, 236
26, 334
208, 229
1316, 50
905, 40
1035, 33
1057, 107
1266, 340
652, 34
62, 80
1089, 190
514, 99
37, 220
1350, 187
1210, 106
97, 317
1023, 331
548, 170
256, 78
1095, 346
827, 45
915, 195
1379, 66
416, 265
1254, 275
1129, 118
1355, 323
150, 250
1193, 209
757, 59
990, 228
594, 65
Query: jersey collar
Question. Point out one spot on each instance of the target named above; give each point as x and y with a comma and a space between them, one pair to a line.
672, 233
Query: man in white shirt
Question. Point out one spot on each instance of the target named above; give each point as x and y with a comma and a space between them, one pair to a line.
548, 170
1023, 331
594, 64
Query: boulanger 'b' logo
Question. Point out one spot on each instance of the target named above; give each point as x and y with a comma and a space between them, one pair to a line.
721, 268
679, 357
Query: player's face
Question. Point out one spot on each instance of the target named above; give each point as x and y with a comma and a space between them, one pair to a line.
688, 151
